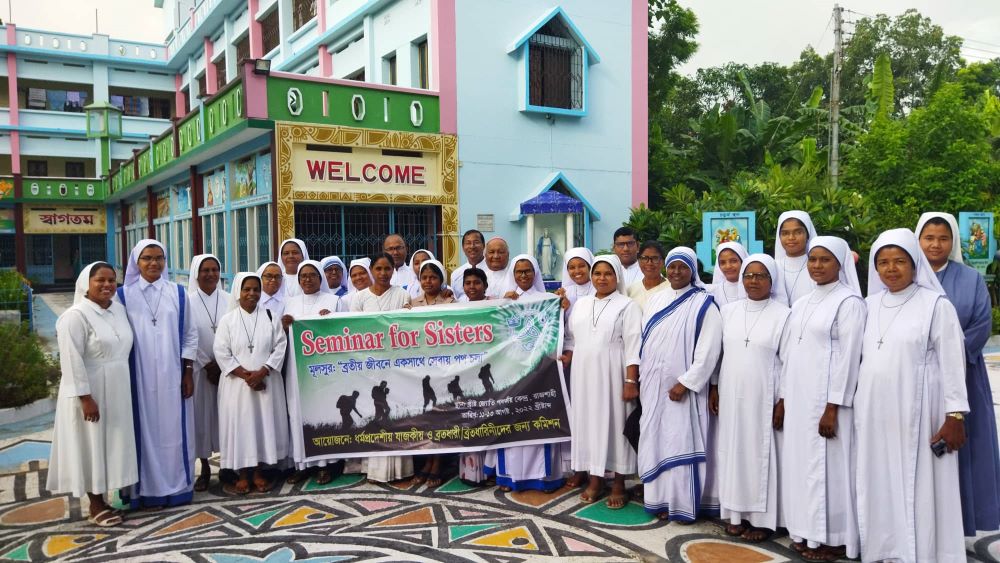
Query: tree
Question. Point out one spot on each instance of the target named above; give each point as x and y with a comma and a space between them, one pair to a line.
922, 57
938, 158
672, 29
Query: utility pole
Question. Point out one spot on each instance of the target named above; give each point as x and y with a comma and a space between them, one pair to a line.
838, 52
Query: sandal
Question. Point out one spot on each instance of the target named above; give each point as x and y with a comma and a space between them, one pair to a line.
503, 488
261, 485
323, 477
201, 483
823, 553
755, 535
434, 480
617, 502
588, 497
297, 477
663, 516
576, 481
735, 530
799, 546
105, 518
239, 488
419, 478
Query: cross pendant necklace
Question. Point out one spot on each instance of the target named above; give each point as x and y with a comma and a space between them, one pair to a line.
152, 312
882, 305
806, 316
746, 315
249, 334
213, 321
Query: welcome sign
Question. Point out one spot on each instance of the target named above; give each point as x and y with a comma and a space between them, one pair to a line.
449, 379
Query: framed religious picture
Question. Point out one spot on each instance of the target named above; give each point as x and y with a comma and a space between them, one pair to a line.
726, 226
977, 238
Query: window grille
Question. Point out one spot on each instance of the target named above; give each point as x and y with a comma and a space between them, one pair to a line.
302, 12
7, 251
220, 73
75, 170
202, 88
242, 235
92, 248
38, 168
352, 231
269, 31
243, 49
555, 72
422, 73
263, 234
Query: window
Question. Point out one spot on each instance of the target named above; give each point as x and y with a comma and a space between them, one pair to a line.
7, 249
75, 169
302, 12
253, 245
269, 31
243, 49
389, 69
358, 75
202, 88
422, 74
38, 168
555, 58
181, 244
555, 68
220, 73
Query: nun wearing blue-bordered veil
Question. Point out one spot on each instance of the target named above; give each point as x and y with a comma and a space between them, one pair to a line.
162, 364
681, 342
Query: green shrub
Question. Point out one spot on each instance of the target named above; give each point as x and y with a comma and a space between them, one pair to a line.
26, 370
996, 320
13, 295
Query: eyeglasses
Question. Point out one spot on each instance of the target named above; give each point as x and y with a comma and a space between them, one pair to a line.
271, 277
752, 276
626, 244
523, 273
309, 276
399, 248
650, 259
148, 259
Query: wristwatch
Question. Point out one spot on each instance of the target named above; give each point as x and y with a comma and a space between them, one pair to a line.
956, 415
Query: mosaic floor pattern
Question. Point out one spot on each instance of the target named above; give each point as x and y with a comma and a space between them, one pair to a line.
352, 520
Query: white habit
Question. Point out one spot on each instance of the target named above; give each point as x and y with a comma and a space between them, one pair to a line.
253, 425
93, 457
821, 351
604, 335
749, 377
384, 468
912, 374
206, 311
165, 419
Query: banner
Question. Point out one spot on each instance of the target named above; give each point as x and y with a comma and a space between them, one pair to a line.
449, 378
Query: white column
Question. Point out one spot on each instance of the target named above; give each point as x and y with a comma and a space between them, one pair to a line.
570, 243
531, 235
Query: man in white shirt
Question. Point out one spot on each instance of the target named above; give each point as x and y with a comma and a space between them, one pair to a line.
395, 246
474, 246
497, 259
627, 249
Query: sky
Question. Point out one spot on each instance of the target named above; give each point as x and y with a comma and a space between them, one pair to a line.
757, 31
746, 31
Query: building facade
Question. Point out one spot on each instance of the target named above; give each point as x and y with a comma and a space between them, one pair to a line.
336, 121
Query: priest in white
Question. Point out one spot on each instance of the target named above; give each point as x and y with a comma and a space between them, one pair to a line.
250, 348
681, 341
208, 304
272, 297
474, 248
497, 261
536, 467
821, 351
749, 378
93, 444
791, 240
162, 367
402, 274
911, 396
726, 282
602, 343
291, 253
